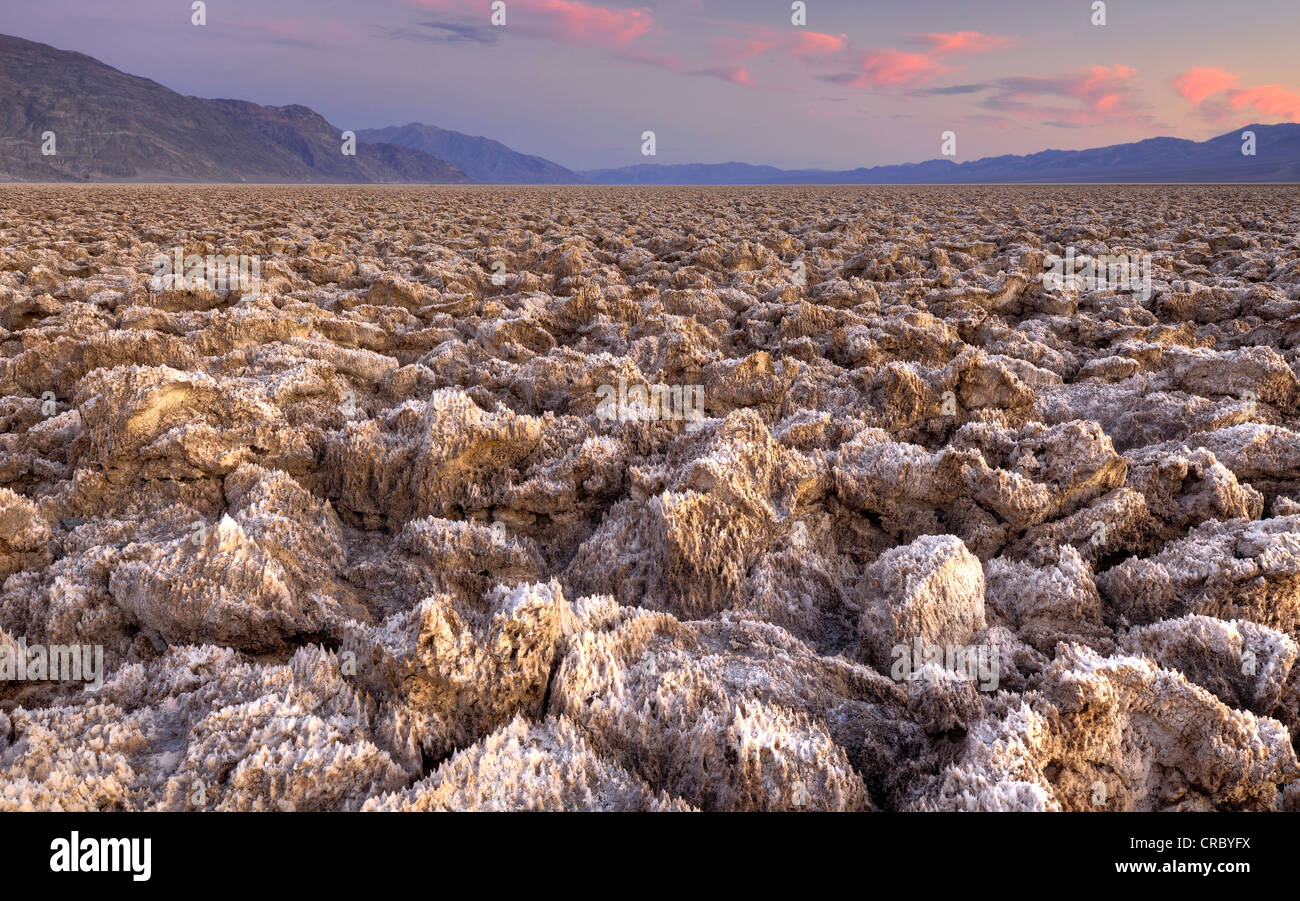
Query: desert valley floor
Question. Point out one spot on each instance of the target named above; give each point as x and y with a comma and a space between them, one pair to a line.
395, 530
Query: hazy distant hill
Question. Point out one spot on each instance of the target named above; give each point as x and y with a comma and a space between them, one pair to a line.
110, 126
480, 158
1277, 158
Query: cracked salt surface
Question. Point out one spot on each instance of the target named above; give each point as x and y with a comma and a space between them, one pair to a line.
361, 539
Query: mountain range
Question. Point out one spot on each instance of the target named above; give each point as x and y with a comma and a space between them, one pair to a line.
482, 159
1158, 160
110, 126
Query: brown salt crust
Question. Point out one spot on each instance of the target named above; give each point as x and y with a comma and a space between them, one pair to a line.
361, 539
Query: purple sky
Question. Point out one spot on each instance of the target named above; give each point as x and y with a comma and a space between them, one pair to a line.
863, 83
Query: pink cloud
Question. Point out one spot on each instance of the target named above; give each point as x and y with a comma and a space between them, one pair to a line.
1101, 78
1199, 83
1270, 99
894, 68
815, 43
963, 42
1098, 95
800, 44
599, 23
1108, 103
566, 21
743, 48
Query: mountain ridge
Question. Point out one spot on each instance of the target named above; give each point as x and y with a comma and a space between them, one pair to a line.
111, 126
1155, 160
483, 159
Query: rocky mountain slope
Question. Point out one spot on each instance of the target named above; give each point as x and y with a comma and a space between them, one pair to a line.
110, 126
482, 159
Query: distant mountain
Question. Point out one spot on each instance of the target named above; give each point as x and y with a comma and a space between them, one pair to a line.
110, 126
482, 159
1167, 160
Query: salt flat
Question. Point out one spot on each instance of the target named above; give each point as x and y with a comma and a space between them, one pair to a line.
636, 498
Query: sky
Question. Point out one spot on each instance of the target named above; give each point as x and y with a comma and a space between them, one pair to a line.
856, 84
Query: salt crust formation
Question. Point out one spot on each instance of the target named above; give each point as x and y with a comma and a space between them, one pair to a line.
359, 541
